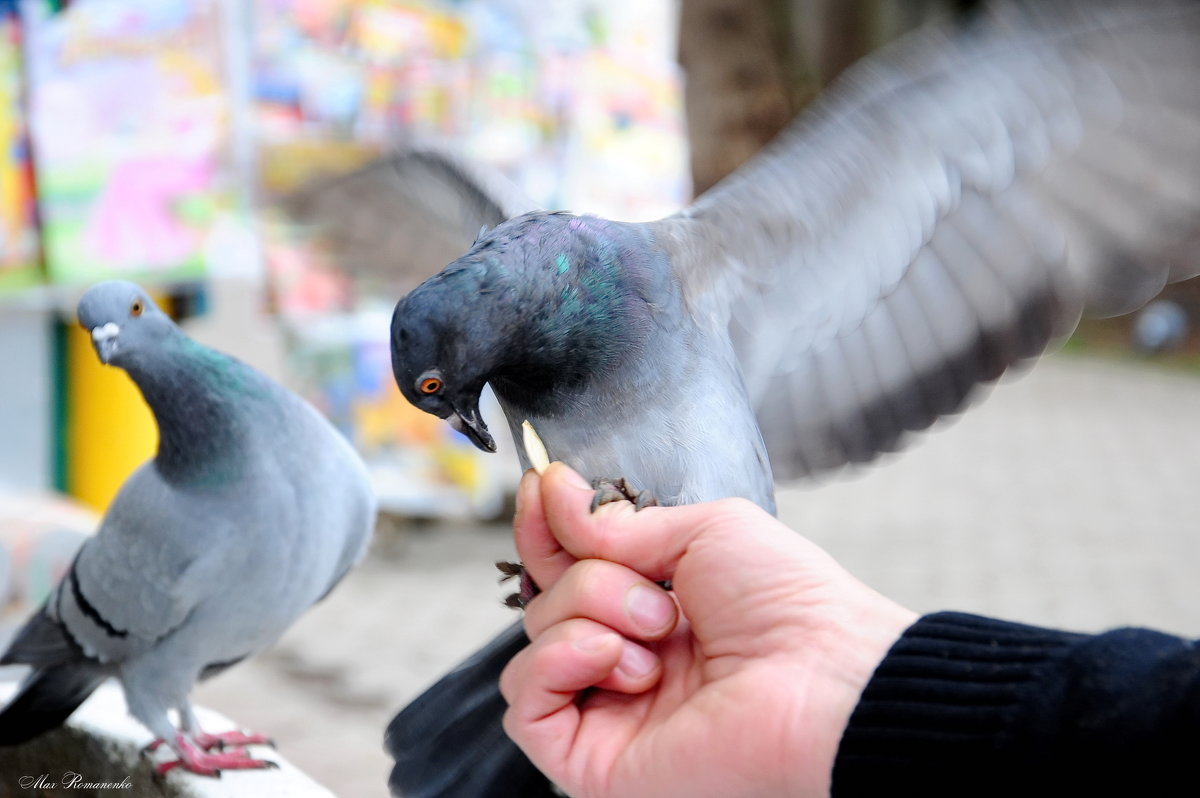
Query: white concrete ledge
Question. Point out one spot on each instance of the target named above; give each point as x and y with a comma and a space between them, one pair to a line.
98, 753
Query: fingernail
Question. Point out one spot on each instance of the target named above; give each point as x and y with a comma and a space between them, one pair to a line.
636, 661
650, 608
523, 486
594, 642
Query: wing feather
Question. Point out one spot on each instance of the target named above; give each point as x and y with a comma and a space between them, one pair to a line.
946, 211
402, 217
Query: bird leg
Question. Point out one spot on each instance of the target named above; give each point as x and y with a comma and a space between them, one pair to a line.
607, 491
195, 759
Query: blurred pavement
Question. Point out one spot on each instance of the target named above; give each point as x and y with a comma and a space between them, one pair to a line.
1066, 498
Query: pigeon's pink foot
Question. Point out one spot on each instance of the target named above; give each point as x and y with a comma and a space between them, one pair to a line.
196, 760
231, 739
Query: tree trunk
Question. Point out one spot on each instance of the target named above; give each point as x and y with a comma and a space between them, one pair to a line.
752, 64
738, 94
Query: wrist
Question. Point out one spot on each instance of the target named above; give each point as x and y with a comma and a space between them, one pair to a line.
868, 633
860, 635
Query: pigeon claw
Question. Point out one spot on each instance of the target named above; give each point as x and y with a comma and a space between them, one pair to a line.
231, 739
607, 490
195, 759
619, 489
526, 589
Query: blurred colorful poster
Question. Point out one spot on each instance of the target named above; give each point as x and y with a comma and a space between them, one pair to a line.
337, 81
130, 131
578, 101
18, 233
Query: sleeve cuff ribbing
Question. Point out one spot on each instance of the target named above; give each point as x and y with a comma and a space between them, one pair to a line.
965, 705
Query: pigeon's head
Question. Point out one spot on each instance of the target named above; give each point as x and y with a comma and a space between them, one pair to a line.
434, 363
544, 307
122, 320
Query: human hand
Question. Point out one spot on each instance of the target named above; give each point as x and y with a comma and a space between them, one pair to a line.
741, 682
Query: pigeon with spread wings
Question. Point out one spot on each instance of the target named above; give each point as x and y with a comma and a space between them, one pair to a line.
945, 212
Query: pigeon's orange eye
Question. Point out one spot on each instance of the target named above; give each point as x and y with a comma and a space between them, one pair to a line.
430, 385
136, 308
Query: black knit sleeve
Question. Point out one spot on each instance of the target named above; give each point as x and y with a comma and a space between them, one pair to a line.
970, 706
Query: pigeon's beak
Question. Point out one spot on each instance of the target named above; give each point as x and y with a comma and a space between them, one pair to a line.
468, 422
106, 339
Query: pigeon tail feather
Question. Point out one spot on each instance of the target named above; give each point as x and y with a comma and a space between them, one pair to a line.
46, 699
449, 742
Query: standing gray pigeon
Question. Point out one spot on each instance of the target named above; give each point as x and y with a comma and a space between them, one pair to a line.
253, 508
946, 211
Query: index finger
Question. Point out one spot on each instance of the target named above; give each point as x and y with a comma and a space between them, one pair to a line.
650, 541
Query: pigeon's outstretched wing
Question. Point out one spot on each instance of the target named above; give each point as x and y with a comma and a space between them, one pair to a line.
946, 210
400, 218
